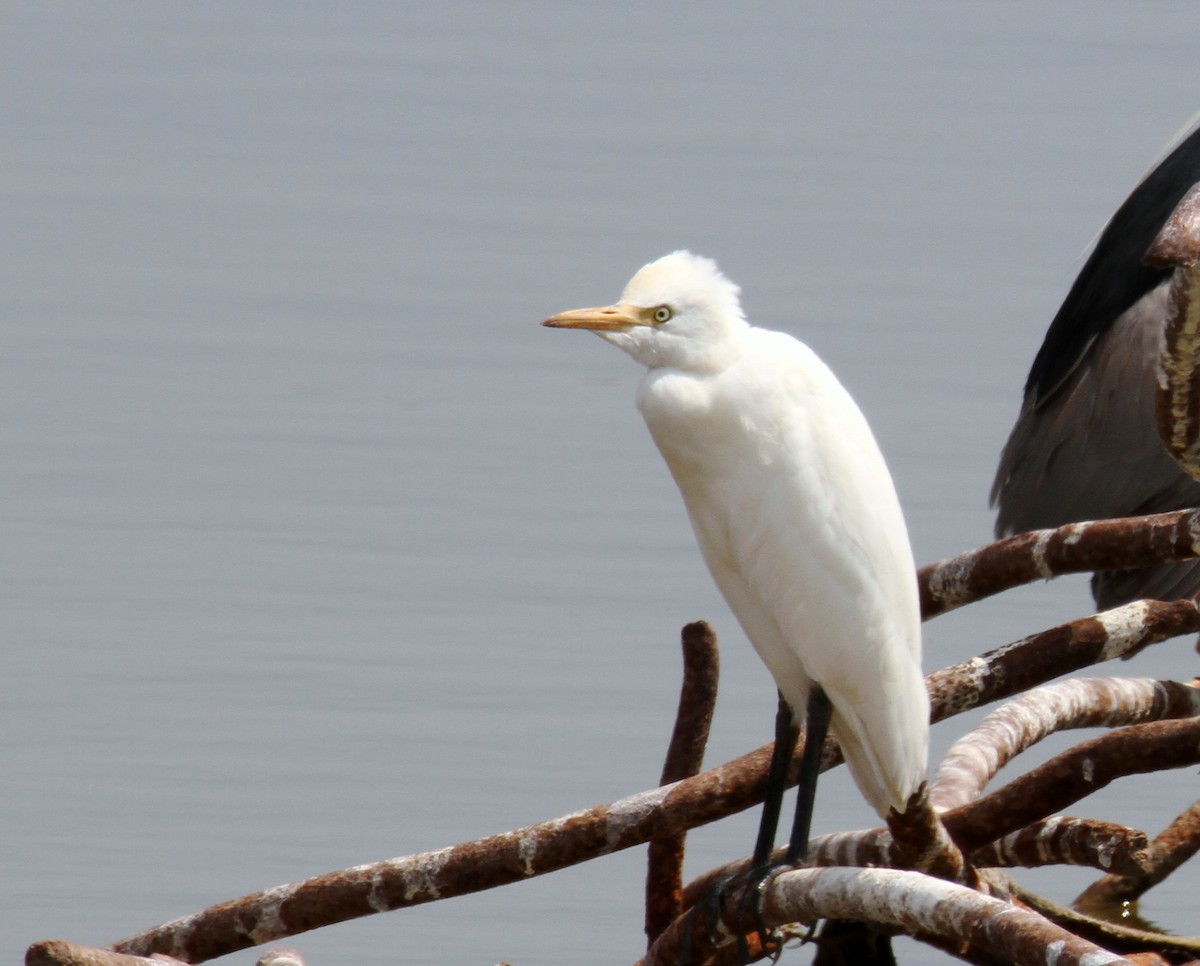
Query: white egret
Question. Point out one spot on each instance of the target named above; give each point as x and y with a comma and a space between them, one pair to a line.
797, 519
1085, 445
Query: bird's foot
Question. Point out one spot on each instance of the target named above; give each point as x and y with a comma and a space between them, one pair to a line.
750, 910
746, 889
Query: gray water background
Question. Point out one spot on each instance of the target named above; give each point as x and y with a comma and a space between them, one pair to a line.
315, 549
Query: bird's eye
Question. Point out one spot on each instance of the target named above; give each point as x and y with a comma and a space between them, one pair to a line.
662, 314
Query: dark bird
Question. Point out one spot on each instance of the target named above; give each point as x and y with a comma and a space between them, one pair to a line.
1085, 445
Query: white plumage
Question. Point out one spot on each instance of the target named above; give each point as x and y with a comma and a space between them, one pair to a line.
792, 505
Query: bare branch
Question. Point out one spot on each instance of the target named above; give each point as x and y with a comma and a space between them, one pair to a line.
1078, 703
57, 952
920, 841
860, 849
1128, 543
1042, 657
1174, 846
1073, 775
469, 867
685, 756
1062, 840
1117, 936
397, 883
920, 905
908, 901
1052, 841
281, 956
697, 698
739, 784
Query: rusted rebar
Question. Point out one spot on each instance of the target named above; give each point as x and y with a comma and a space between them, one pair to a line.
685, 757
57, 952
510, 856
975, 758
920, 842
860, 848
1177, 843
909, 901
1128, 543
1120, 936
1041, 657
1059, 840
739, 784
1063, 840
281, 956
1073, 775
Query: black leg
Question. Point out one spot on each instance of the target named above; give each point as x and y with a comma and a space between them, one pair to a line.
816, 726
786, 735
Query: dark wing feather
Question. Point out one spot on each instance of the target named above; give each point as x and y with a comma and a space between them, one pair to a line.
1085, 445
1113, 278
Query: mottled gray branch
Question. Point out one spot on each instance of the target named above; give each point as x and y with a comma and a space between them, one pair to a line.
1129, 543
1063, 840
534, 850
1118, 936
57, 952
1074, 775
975, 758
1177, 843
281, 956
685, 757
1041, 657
908, 901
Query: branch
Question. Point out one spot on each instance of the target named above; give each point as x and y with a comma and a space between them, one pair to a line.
921, 842
546, 847
685, 756
57, 952
1118, 936
398, 883
1128, 543
862, 849
1074, 775
909, 901
975, 758
1174, 846
1033, 660
281, 956
1062, 840
485, 863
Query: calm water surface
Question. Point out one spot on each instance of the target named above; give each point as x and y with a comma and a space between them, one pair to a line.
315, 549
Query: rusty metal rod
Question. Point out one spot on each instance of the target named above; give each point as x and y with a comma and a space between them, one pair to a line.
685, 757
1128, 543
1177, 843
737, 785
1073, 775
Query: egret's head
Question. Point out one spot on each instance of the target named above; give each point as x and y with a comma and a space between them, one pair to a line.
678, 311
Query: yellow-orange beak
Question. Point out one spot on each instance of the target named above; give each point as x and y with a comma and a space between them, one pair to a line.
608, 318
